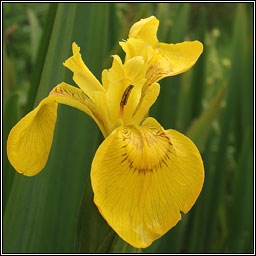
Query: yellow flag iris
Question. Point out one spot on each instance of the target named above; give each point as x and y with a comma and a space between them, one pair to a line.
142, 175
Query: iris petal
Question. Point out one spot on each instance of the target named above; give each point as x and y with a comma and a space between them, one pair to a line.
30, 140
161, 59
145, 29
142, 177
147, 100
181, 56
82, 75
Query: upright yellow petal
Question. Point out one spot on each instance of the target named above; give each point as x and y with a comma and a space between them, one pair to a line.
161, 59
114, 74
116, 80
30, 140
146, 30
147, 99
135, 47
82, 75
143, 177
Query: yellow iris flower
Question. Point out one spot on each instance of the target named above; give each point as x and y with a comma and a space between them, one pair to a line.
142, 175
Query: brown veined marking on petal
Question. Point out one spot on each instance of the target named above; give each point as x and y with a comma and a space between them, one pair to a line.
154, 74
145, 141
125, 97
155, 71
63, 90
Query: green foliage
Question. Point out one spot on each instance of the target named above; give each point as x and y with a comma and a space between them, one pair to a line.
212, 103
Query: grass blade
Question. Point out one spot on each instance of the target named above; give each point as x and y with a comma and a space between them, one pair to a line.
11, 116
42, 211
200, 128
40, 57
232, 98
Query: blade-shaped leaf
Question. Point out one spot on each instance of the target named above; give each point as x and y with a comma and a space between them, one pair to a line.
220, 176
40, 57
41, 213
11, 116
201, 127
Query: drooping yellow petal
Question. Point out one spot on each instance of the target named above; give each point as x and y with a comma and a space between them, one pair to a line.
146, 30
75, 97
142, 177
181, 56
82, 75
30, 140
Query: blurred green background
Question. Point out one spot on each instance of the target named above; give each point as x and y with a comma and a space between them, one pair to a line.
212, 103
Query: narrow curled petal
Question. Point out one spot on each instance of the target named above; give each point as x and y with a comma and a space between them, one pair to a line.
30, 140
147, 100
143, 177
82, 75
146, 30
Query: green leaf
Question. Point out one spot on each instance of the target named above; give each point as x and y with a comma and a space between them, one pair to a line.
220, 176
41, 213
120, 246
192, 91
40, 57
93, 234
201, 127
242, 206
179, 30
11, 116
35, 32
9, 75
